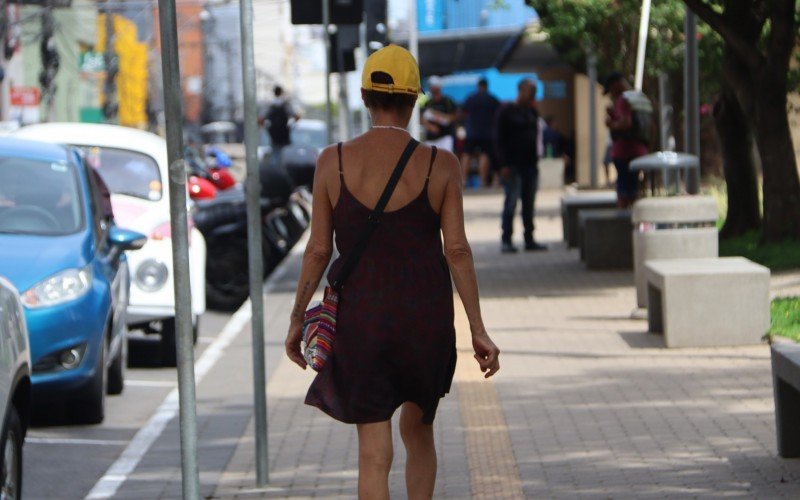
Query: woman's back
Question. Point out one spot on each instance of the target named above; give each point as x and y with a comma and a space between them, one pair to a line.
395, 340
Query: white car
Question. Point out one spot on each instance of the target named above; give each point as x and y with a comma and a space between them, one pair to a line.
134, 165
15, 389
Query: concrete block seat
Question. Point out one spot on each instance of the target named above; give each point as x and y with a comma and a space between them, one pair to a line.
605, 238
678, 227
786, 384
708, 302
572, 203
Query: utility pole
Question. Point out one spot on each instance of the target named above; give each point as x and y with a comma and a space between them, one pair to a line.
591, 70
109, 85
326, 22
691, 91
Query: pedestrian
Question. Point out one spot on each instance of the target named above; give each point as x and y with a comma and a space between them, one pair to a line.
395, 341
478, 112
517, 142
628, 139
552, 139
277, 121
439, 117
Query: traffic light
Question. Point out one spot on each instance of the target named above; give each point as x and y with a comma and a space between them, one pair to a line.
341, 11
375, 19
343, 44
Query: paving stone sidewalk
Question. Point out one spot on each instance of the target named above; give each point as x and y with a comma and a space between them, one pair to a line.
589, 403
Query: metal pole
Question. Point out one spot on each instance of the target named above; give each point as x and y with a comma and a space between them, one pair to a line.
254, 251
665, 107
173, 109
413, 47
326, 21
108, 57
644, 25
691, 91
591, 68
363, 53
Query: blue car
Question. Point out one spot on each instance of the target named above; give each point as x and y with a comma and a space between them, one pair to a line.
60, 248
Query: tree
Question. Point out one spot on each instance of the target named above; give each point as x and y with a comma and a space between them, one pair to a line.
574, 27
761, 35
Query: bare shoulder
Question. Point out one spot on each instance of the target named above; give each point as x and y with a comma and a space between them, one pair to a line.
446, 167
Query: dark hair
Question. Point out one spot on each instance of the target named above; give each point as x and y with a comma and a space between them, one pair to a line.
483, 82
374, 99
278, 90
525, 81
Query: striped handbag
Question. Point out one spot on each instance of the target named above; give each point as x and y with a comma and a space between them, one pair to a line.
319, 322
319, 329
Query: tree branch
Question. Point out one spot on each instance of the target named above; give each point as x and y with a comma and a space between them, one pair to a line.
748, 53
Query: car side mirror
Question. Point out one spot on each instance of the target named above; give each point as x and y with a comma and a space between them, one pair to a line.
125, 239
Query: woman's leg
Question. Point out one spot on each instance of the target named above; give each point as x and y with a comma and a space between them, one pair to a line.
375, 455
420, 453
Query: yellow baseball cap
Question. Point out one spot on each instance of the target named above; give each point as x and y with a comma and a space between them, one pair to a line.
392, 70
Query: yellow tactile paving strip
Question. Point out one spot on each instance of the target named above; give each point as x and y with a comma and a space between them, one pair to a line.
492, 466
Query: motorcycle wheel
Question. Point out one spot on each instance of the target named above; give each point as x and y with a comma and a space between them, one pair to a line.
227, 282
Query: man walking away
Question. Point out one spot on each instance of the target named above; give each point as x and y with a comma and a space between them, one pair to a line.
277, 118
478, 112
630, 133
517, 137
439, 116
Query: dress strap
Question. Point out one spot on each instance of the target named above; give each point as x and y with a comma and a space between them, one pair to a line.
339, 150
434, 150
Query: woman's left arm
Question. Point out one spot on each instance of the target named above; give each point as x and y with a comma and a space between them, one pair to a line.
317, 253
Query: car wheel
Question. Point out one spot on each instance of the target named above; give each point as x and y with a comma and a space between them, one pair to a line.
169, 350
116, 372
11, 465
90, 407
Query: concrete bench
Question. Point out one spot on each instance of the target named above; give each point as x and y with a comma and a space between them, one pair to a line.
678, 227
786, 385
707, 302
571, 204
605, 238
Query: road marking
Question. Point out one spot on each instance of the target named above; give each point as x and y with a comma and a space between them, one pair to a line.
149, 383
492, 465
97, 442
118, 472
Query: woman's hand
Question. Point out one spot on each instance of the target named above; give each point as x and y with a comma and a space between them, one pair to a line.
486, 353
293, 344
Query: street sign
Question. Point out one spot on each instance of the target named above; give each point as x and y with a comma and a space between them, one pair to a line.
25, 96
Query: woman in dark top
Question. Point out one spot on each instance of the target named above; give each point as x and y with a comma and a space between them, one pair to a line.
395, 341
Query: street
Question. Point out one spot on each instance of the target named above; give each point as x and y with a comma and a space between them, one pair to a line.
65, 461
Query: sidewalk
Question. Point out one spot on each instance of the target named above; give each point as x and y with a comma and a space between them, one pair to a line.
586, 405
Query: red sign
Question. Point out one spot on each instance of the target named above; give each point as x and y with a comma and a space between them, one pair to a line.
25, 96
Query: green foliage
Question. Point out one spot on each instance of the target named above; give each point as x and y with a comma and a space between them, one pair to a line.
785, 314
611, 27
776, 256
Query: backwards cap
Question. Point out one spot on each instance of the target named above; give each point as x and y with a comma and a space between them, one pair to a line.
392, 70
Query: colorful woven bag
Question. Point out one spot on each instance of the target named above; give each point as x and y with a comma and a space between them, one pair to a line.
319, 322
319, 330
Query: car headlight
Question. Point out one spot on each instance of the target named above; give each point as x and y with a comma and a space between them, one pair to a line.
151, 275
59, 288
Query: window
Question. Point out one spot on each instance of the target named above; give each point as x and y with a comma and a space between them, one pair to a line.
126, 172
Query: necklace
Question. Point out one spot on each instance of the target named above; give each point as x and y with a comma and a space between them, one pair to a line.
390, 127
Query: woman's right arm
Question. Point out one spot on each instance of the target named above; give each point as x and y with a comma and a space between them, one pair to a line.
459, 259
317, 253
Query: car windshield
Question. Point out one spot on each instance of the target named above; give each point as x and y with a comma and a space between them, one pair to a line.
310, 137
126, 172
39, 197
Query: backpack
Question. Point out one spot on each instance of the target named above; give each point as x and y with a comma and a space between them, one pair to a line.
641, 115
278, 126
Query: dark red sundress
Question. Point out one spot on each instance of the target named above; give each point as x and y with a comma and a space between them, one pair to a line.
395, 340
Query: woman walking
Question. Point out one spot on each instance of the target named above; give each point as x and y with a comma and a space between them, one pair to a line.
395, 341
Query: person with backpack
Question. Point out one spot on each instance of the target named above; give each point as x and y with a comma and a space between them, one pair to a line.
630, 120
276, 120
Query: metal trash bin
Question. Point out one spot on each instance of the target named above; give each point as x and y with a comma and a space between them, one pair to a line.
670, 165
675, 227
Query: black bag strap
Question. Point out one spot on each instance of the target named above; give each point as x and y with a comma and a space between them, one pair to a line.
375, 217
